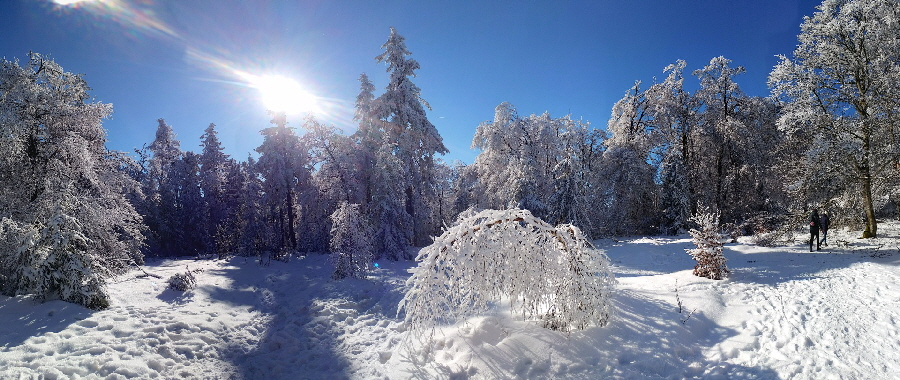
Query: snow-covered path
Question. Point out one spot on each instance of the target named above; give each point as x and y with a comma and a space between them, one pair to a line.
834, 323
783, 313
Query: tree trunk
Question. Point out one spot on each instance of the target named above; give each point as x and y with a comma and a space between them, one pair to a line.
871, 224
290, 209
865, 172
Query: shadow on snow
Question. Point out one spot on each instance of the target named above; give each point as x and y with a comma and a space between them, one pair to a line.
27, 317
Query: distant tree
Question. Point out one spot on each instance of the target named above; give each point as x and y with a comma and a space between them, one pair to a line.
632, 194
720, 127
674, 113
283, 167
840, 95
213, 173
237, 211
187, 221
65, 223
337, 179
255, 234
367, 138
545, 165
160, 192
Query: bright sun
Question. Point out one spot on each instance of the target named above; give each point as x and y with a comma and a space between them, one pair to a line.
69, 2
282, 94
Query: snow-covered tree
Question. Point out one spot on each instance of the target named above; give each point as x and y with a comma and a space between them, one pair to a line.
255, 234
412, 138
630, 177
67, 225
351, 242
368, 137
283, 166
545, 272
538, 163
390, 215
213, 181
187, 221
840, 92
160, 192
709, 241
674, 113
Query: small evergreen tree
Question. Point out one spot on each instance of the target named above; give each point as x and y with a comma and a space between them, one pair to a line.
709, 242
351, 242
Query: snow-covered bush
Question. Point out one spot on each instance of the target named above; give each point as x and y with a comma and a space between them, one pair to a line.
351, 242
549, 273
709, 242
182, 281
67, 223
53, 261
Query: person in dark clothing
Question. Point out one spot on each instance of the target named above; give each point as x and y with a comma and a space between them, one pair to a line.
825, 222
814, 224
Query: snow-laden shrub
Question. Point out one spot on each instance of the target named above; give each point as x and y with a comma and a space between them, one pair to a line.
351, 242
182, 281
549, 273
54, 261
709, 242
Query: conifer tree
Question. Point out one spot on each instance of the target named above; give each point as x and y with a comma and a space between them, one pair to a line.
413, 138
709, 242
213, 181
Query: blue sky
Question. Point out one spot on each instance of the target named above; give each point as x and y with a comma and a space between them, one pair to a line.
176, 59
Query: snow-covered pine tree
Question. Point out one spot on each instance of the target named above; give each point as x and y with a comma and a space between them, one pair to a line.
368, 138
161, 194
187, 221
391, 221
545, 272
709, 242
213, 179
66, 223
229, 233
283, 166
255, 235
412, 137
351, 242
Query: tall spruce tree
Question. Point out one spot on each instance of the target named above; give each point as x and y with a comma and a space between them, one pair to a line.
412, 138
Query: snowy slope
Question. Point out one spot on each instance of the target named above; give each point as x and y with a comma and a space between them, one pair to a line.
783, 313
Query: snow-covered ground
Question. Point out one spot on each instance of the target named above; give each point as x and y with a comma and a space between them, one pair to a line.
783, 313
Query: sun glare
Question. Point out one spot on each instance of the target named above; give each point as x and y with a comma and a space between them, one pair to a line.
284, 94
70, 2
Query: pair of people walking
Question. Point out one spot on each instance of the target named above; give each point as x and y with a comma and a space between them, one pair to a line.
817, 223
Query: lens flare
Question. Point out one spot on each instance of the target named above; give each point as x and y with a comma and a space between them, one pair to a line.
134, 18
283, 94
